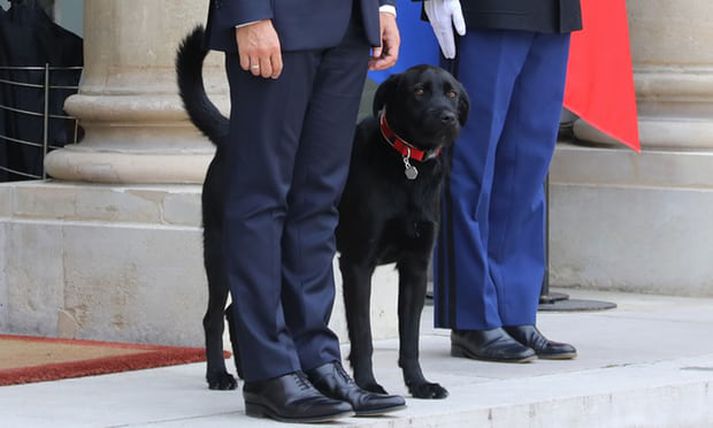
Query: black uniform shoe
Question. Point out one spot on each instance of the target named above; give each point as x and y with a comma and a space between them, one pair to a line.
292, 398
331, 380
489, 345
530, 336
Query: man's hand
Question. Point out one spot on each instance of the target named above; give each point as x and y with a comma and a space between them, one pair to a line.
443, 15
385, 56
259, 49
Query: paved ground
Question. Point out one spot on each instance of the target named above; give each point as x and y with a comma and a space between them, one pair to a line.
647, 363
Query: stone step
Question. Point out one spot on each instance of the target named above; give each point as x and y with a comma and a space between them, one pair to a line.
637, 223
648, 363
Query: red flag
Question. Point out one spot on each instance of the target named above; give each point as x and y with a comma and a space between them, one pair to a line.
600, 81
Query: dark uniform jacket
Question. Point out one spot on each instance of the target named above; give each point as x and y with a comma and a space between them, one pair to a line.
300, 24
543, 16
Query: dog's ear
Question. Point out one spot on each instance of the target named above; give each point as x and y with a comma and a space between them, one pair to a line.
463, 105
385, 92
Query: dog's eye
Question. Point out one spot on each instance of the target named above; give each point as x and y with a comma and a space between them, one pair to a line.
451, 94
419, 92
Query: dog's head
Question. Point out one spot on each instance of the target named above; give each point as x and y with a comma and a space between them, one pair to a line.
424, 105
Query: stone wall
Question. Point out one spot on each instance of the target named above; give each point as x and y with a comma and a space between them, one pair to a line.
119, 263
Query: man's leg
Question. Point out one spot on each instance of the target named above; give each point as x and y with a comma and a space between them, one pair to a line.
320, 174
266, 123
517, 208
308, 242
465, 298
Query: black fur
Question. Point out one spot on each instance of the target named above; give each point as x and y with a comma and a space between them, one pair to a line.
204, 114
189, 71
384, 217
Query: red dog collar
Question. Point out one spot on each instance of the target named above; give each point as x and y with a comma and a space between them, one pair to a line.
400, 145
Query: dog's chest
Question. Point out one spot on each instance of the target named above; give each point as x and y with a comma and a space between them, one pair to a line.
414, 225
413, 234
417, 207
414, 221
414, 218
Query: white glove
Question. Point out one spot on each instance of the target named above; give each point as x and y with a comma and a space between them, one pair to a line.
444, 15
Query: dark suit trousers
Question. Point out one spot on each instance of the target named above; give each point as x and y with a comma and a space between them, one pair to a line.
287, 162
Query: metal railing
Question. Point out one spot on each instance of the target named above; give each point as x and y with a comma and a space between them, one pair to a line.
46, 87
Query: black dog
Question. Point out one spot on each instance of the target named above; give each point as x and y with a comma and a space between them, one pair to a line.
207, 118
390, 209
388, 213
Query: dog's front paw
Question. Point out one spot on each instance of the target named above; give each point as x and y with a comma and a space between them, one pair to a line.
427, 390
221, 381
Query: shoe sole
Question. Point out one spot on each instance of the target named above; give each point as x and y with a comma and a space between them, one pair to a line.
460, 352
379, 412
256, 410
568, 356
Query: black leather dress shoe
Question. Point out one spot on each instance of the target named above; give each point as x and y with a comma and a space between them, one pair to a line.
546, 349
292, 398
489, 345
333, 381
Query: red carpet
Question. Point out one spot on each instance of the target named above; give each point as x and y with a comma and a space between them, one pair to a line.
25, 359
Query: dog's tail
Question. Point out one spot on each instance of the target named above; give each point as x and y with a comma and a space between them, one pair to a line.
189, 71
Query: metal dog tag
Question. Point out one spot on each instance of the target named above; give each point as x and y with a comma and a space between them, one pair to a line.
411, 171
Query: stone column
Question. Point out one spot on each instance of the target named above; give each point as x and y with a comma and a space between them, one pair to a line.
136, 129
111, 248
642, 222
673, 65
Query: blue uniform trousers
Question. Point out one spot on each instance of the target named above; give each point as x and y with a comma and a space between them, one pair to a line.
489, 258
287, 161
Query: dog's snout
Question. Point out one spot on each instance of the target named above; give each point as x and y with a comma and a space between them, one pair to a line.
448, 117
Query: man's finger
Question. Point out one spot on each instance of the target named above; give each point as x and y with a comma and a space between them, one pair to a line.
377, 51
381, 62
242, 56
276, 61
244, 62
265, 67
392, 52
377, 64
386, 61
255, 66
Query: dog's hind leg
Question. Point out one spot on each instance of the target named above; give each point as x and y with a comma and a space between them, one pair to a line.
357, 300
234, 340
213, 321
412, 294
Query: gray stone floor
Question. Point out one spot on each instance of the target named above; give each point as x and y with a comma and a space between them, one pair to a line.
647, 363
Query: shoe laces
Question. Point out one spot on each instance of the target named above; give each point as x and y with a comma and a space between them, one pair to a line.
302, 382
344, 375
